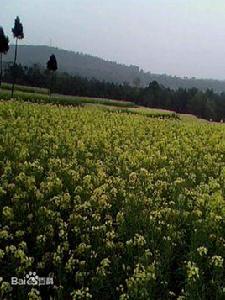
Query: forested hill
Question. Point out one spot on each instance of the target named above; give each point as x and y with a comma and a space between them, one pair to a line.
94, 67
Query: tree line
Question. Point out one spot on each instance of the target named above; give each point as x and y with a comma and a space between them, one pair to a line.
76, 63
203, 104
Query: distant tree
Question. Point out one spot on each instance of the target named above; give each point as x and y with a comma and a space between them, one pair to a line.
52, 66
154, 86
4, 48
18, 34
155, 93
137, 82
205, 104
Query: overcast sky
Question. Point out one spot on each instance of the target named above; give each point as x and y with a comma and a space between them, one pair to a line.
177, 37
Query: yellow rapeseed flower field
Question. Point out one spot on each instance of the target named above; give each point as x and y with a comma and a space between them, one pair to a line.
109, 205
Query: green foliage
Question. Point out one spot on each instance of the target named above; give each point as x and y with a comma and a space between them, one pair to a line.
114, 206
17, 30
4, 48
18, 34
25, 89
4, 42
52, 63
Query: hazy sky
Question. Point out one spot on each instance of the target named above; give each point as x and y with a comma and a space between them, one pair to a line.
178, 37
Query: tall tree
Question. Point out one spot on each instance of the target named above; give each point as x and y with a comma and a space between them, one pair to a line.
52, 66
18, 34
4, 48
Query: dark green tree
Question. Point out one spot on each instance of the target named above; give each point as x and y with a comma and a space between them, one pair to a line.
4, 48
18, 34
137, 82
52, 66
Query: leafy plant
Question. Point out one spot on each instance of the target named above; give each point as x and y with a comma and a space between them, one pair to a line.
4, 48
18, 34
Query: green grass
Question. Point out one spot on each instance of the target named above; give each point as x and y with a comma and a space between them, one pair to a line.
40, 95
189, 118
26, 89
62, 99
152, 112
144, 111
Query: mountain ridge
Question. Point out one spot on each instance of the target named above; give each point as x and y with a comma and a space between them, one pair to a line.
86, 65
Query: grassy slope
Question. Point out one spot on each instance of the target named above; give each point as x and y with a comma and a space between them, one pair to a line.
62, 99
23, 88
40, 95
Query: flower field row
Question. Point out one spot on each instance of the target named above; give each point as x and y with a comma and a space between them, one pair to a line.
110, 205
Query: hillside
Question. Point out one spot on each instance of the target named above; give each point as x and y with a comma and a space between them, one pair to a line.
94, 67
